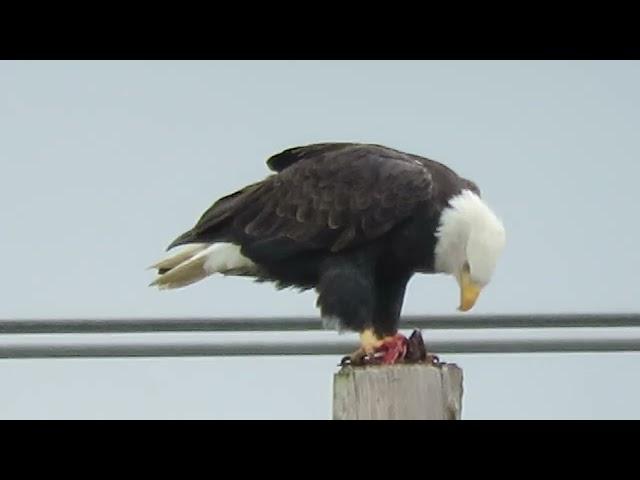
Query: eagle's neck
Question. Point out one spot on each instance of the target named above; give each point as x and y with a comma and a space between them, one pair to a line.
464, 218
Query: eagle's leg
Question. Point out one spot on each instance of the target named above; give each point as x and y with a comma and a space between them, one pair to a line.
368, 344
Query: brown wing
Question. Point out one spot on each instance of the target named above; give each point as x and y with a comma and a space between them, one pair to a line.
328, 197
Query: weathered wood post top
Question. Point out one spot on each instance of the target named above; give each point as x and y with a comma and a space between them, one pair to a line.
411, 391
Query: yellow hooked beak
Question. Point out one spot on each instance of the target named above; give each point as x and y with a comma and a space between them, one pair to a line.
469, 291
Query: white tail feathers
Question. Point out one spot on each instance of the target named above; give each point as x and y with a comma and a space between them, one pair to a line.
199, 261
175, 260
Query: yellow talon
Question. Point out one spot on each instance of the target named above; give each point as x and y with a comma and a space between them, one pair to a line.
369, 341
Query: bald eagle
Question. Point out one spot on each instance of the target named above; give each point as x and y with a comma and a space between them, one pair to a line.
354, 222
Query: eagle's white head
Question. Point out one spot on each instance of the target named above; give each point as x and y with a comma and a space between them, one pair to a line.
470, 239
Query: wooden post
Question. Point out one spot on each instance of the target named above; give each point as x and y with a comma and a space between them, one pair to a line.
398, 392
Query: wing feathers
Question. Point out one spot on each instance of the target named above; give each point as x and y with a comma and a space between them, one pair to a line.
326, 196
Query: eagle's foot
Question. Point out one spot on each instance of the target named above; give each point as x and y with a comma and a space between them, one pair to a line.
356, 358
390, 350
386, 351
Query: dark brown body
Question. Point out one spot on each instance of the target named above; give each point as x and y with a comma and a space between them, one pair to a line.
353, 221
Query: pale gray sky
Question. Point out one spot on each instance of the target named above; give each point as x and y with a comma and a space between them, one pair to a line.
103, 163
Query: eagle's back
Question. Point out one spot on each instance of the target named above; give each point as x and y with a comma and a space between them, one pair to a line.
327, 197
